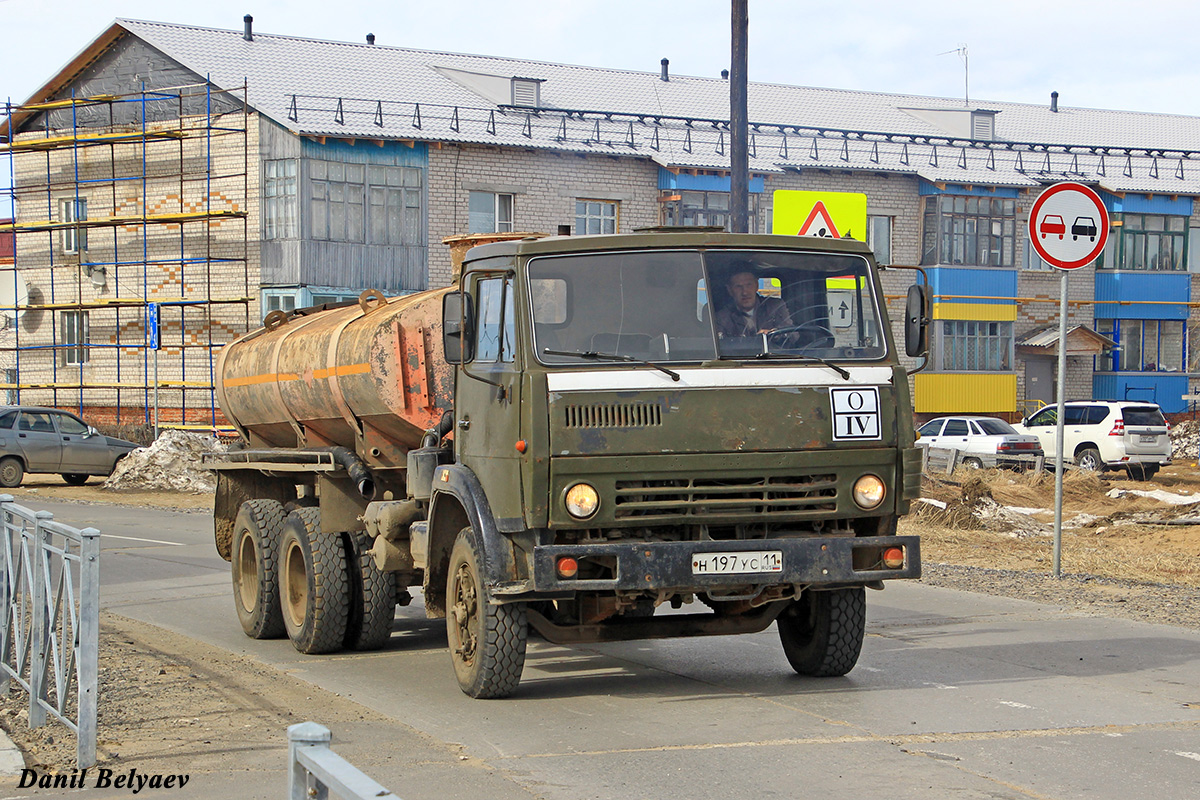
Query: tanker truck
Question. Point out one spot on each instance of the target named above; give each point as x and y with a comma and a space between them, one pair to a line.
601, 438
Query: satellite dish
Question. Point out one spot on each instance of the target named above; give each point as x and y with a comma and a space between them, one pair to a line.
13, 293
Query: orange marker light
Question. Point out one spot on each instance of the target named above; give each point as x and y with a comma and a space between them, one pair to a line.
520, 445
893, 557
567, 567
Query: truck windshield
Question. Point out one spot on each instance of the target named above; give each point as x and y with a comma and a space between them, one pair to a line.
680, 305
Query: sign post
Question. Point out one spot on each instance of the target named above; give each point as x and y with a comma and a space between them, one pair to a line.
1068, 227
154, 329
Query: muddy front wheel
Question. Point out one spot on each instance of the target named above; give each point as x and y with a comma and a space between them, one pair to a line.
487, 642
822, 632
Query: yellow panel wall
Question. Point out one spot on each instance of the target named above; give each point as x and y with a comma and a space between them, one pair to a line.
964, 392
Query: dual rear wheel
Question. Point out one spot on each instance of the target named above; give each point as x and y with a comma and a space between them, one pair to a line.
322, 590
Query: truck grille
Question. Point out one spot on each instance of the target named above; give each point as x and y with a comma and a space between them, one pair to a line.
619, 415
720, 497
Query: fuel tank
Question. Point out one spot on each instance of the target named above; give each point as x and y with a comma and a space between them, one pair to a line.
369, 376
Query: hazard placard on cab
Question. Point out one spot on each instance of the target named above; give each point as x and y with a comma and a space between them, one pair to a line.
831, 215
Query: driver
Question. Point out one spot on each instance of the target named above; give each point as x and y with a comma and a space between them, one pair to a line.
750, 313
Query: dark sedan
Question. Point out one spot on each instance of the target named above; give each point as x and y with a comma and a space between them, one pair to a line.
36, 439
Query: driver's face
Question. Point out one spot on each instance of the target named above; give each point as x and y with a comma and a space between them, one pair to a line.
743, 287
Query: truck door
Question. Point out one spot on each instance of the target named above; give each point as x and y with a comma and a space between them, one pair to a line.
39, 442
487, 402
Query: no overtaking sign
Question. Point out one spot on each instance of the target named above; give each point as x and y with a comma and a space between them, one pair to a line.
1068, 225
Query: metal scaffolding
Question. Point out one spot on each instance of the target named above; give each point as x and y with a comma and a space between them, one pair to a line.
140, 295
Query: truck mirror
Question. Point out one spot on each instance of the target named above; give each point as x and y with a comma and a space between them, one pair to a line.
457, 327
916, 321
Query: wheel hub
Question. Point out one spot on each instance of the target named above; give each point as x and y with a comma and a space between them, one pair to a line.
466, 612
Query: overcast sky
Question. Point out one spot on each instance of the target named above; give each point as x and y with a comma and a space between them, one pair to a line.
1095, 53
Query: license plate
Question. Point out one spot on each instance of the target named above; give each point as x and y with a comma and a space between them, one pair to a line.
1147, 439
737, 563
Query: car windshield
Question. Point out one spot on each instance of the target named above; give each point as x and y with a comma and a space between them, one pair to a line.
689, 305
994, 427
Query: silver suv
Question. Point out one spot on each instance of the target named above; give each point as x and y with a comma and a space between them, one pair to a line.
1105, 434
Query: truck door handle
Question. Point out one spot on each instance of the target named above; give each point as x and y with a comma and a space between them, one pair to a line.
464, 423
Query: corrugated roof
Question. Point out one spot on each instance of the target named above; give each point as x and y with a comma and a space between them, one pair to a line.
402, 93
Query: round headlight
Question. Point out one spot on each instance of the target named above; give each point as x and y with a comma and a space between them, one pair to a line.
582, 501
869, 491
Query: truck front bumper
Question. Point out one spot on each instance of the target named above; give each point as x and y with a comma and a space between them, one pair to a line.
656, 566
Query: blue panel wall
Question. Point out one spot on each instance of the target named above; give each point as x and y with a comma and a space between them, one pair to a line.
974, 191
1136, 288
981, 283
1165, 389
392, 154
703, 183
1147, 204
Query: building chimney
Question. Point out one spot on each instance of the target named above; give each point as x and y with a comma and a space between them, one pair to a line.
248, 34
370, 38
1054, 102
724, 74
665, 75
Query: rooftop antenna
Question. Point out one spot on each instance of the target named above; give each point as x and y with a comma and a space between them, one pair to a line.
962, 53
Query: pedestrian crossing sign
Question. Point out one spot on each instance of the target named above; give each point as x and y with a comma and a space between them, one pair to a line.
830, 215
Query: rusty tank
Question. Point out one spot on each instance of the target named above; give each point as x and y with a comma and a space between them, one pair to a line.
368, 376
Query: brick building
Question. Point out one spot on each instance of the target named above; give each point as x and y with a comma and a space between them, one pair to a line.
312, 170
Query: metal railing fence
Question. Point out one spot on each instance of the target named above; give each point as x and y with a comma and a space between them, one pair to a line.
50, 619
315, 772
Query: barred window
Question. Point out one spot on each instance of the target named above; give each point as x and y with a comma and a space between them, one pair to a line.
684, 208
976, 346
971, 231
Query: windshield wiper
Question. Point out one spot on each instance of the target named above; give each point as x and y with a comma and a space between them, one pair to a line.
811, 359
597, 356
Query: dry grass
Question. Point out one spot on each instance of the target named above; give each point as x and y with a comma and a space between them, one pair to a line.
1111, 547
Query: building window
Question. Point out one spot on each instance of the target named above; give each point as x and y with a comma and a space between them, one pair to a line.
73, 210
971, 231
279, 301
279, 200
702, 209
971, 346
74, 337
395, 206
337, 203
331, 296
1033, 260
1194, 249
879, 238
1149, 242
490, 212
595, 216
1150, 345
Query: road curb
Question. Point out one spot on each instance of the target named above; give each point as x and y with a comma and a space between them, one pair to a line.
12, 760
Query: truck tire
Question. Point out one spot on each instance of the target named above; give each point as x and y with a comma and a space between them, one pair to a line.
372, 597
487, 642
313, 590
254, 563
822, 632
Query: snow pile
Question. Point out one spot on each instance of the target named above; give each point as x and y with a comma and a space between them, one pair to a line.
1170, 498
1184, 437
172, 464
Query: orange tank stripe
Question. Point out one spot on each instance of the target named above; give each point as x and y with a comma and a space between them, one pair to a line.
254, 380
284, 377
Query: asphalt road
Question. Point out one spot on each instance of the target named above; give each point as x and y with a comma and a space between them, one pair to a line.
956, 695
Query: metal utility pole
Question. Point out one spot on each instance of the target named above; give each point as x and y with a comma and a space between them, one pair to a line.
739, 144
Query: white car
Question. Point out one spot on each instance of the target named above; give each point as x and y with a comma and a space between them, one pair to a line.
982, 441
1105, 434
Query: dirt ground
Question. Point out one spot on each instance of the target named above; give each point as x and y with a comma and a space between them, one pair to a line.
168, 703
